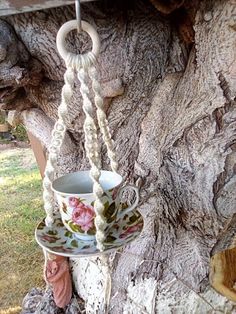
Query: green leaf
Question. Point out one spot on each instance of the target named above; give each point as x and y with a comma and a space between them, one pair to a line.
52, 232
41, 226
110, 239
74, 243
64, 208
132, 219
124, 206
68, 234
109, 210
92, 231
74, 227
106, 205
60, 224
109, 220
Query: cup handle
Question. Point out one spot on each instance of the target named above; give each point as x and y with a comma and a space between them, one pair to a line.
130, 208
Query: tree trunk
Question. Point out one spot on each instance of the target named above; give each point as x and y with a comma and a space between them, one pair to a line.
172, 114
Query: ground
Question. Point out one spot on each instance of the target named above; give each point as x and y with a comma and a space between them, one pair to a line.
21, 259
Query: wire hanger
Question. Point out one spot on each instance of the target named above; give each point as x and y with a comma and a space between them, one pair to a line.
78, 15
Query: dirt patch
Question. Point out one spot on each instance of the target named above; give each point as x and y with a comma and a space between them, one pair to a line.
28, 159
13, 144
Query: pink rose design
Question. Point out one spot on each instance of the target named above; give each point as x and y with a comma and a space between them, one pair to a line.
130, 230
115, 193
83, 215
50, 239
74, 202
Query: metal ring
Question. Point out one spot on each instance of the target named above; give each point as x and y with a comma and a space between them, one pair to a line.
68, 27
78, 15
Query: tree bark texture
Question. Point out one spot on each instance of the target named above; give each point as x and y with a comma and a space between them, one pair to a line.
172, 114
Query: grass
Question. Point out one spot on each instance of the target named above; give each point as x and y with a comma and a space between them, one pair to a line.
21, 259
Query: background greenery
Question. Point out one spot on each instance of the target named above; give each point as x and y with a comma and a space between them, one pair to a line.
21, 259
20, 133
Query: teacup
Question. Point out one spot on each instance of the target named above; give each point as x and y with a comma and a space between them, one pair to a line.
74, 193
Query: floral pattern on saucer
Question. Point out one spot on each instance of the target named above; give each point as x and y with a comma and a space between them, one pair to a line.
59, 240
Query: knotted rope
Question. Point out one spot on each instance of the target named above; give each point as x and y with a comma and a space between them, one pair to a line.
101, 116
58, 134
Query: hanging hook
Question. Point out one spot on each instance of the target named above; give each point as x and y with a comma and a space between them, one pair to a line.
78, 15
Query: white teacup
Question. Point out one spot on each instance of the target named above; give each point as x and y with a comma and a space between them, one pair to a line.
75, 197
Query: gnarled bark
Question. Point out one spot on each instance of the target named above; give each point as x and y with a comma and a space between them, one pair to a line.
173, 120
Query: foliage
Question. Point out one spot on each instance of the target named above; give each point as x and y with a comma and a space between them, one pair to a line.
2, 117
20, 210
20, 133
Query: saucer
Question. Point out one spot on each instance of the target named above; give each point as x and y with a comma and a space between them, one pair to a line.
58, 240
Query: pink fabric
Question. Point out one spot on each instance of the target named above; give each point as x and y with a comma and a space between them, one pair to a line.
58, 275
